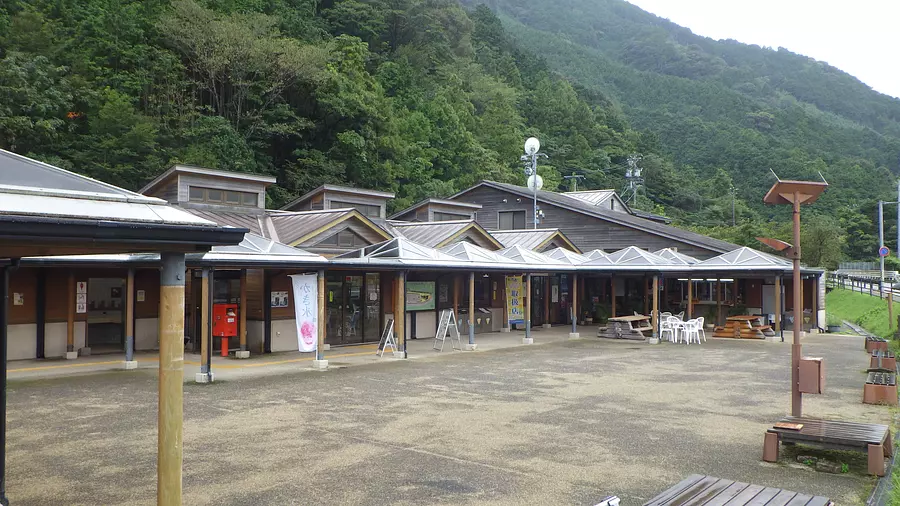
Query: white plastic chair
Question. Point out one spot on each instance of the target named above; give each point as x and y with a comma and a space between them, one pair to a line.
702, 333
667, 327
677, 326
691, 331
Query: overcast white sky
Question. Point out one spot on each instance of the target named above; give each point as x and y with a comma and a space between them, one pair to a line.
860, 37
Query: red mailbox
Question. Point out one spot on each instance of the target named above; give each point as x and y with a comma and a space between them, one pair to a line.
225, 323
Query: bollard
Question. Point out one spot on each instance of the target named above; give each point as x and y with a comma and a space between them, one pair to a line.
224, 346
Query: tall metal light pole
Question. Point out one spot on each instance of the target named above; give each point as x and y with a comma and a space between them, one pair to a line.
796, 193
880, 246
535, 182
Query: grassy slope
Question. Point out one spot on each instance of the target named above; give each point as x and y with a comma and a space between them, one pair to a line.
868, 312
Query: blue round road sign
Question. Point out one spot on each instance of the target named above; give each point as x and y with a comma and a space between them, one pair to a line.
884, 251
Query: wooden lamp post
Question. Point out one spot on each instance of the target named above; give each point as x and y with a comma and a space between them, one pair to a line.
795, 193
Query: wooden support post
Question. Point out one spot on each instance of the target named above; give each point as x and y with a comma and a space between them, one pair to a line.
456, 296
690, 297
778, 310
242, 329
471, 345
719, 300
129, 320
528, 295
70, 320
205, 320
654, 316
575, 286
506, 326
400, 312
171, 380
546, 322
814, 306
574, 334
646, 289
320, 361
612, 295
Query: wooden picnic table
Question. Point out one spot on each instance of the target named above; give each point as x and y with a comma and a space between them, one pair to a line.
626, 327
741, 327
701, 490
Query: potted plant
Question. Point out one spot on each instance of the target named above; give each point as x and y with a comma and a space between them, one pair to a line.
709, 319
600, 313
834, 323
587, 318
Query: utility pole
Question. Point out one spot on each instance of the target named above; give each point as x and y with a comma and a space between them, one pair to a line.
732, 204
881, 245
575, 177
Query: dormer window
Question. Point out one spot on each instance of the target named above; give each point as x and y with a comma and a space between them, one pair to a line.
226, 197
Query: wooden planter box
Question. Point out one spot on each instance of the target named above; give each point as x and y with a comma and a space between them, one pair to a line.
876, 343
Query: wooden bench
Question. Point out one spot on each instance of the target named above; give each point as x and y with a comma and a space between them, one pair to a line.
874, 439
701, 490
876, 343
880, 388
883, 360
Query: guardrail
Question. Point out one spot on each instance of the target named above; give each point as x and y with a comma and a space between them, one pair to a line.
865, 282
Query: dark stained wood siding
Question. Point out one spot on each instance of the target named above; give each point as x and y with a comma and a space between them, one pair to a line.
23, 281
586, 232
255, 296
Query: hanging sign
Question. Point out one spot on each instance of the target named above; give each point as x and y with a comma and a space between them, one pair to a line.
515, 307
306, 310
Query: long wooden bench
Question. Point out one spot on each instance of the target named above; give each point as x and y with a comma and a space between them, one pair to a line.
880, 388
876, 343
874, 439
701, 490
884, 360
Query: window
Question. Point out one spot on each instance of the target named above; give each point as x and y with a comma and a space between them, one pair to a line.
366, 209
512, 220
231, 198
439, 216
344, 239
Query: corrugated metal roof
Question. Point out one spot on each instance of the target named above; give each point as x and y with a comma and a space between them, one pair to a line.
444, 202
593, 197
529, 238
20, 171
254, 222
293, 226
624, 219
430, 234
253, 248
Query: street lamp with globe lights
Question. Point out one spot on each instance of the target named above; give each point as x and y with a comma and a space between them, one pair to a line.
535, 182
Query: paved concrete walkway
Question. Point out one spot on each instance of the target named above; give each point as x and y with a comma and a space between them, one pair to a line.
567, 422
279, 363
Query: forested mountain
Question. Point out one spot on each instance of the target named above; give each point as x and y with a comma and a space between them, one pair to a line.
426, 97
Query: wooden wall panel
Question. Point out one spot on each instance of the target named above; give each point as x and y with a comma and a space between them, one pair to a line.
147, 280
23, 281
282, 283
585, 232
58, 293
753, 292
255, 296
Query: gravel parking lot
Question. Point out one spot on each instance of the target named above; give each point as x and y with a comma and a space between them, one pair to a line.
562, 423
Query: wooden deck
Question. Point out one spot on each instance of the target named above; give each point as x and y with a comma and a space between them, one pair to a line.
701, 490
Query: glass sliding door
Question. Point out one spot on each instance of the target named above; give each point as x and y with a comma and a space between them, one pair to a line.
372, 318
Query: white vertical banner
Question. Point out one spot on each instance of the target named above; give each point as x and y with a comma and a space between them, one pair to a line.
306, 310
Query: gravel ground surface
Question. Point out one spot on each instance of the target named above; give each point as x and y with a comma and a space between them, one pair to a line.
563, 423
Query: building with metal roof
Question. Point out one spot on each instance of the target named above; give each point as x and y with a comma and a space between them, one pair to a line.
586, 225
442, 233
539, 240
673, 256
